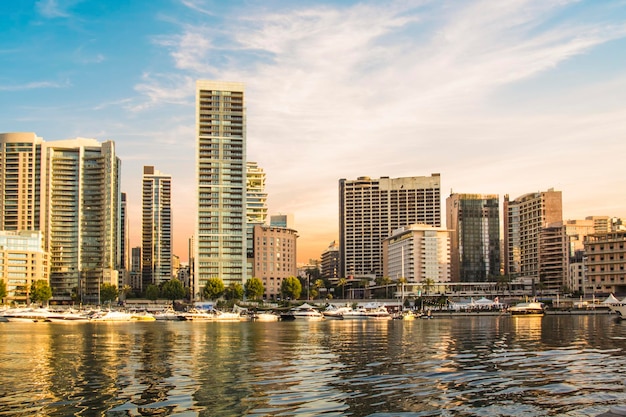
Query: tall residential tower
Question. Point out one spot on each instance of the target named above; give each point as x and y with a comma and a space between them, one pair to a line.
221, 181
156, 230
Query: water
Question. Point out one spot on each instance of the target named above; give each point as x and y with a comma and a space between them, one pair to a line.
460, 366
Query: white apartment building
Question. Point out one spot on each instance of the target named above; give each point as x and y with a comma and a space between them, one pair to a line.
156, 227
22, 262
417, 253
220, 240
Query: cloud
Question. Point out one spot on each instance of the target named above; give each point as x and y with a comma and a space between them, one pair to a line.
401, 88
33, 86
52, 9
158, 89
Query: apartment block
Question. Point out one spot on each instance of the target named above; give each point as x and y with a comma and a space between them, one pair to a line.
20, 181
371, 209
474, 224
330, 261
156, 227
274, 257
605, 264
22, 262
524, 218
221, 181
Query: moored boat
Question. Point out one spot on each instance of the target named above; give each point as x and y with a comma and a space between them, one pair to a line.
265, 316
307, 312
336, 313
619, 308
112, 315
532, 308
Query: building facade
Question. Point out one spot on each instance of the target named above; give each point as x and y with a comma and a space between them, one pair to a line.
330, 261
605, 264
524, 218
80, 205
221, 183
417, 253
22, 262
274, 257
20, 181
371, 209
156, 227
554, 266
474, 224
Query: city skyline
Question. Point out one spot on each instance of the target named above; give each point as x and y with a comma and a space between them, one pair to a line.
499, 98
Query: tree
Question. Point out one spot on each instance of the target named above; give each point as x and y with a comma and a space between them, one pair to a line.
3, 290
291, 288
152, 292
173, 289
40, 291
254, 288
342, 283
108, 293
213, 289
428, 284
234, 291
318, 284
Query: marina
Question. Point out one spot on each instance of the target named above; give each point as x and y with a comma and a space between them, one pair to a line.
449, 366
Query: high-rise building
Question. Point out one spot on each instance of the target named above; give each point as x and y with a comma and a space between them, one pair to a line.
221, 181
274, 257
124, 278
371, 209
417, 253
474, 224
524, 218
70, 191
156, 229
80, 205
20, 181
256, 207
330, 261
135, 269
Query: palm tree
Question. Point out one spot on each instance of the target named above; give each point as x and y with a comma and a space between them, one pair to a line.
428, 285
342, 283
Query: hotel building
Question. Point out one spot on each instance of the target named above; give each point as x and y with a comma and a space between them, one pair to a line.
474, 224
417, 253
221, 181
371, 209
156, 227
274, 257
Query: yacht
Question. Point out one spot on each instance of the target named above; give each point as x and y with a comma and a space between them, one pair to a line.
336, 313
306, 312
532, 308
619, 308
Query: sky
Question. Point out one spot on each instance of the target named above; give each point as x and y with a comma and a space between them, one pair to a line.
499, 97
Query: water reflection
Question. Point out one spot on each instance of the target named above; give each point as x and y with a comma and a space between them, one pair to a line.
488, 366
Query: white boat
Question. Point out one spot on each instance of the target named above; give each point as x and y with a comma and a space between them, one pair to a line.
69, 316
619, 308
336, 313
368, 312
306, 312
228, 316
112, 315
265, 317
168, 314
195, 314
532, 308
27, 314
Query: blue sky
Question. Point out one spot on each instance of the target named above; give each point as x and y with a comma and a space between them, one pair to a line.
498, 97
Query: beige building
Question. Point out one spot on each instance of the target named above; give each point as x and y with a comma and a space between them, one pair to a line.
274, 257
20, 181
371, 209
22, 262
524, 218
605, 264
417, 253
